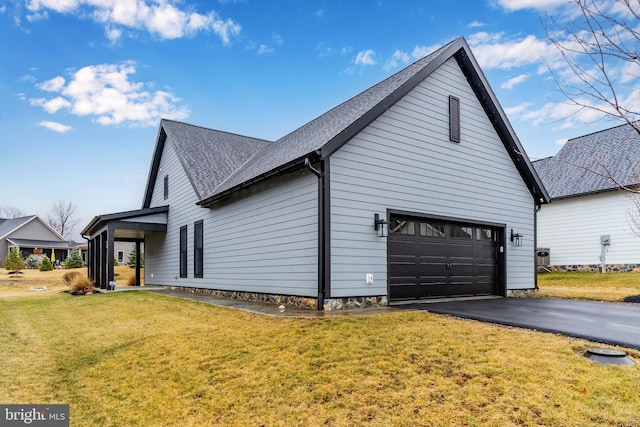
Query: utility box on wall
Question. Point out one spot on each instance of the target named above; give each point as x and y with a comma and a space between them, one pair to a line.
543, 257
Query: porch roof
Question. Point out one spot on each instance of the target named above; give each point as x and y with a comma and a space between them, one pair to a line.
129, 225
44, 244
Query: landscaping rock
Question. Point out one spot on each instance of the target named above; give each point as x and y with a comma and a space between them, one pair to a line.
635, 298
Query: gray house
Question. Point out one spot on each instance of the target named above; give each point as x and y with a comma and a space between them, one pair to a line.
32, 236
590, 224
416, 188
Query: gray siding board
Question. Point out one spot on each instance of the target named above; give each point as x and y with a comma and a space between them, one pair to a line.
405, 161
35, 230
264, 241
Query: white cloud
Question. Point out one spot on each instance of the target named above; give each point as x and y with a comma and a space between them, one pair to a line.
162, 18
561, 141
3, 8
512, 5
475, 24
514, 81
398, 57
365, 57
518, 109
51, 106
55, 126
422, 51
492, 51
53, 85
264, 49
106, 93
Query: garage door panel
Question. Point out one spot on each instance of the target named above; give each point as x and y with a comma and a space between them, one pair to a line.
432, 269
442, 259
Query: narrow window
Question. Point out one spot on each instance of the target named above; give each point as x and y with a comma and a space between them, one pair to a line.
198, 255
183, 251
454, 119
120, 257
166, 187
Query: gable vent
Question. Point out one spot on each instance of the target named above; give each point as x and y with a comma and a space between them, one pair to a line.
454, 119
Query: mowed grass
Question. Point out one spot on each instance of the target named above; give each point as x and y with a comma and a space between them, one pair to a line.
589, 286
32, 282
142, 359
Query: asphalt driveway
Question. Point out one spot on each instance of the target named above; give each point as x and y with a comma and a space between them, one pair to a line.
608, 323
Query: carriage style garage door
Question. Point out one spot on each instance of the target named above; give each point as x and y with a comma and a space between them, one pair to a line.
436, 258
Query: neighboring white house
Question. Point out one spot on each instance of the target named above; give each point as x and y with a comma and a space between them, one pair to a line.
588, 223
416, 188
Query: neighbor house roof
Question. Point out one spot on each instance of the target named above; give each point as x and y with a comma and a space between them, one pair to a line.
324, 135
40, 243
9, 226
593, 163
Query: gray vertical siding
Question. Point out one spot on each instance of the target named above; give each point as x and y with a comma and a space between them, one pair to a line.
264, 241
405, 161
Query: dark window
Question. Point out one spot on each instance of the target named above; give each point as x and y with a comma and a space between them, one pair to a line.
454, 119
461, 232
430, 229
120, 257
402, 226
198, 254
485, 234
166, 187
183, 251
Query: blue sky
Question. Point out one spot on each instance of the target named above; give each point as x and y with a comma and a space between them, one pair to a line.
84, 83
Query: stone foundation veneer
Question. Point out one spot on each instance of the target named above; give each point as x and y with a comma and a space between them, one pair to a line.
305, 302
593, 268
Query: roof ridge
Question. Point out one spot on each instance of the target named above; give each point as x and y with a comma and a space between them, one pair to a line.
216, 130
599, 131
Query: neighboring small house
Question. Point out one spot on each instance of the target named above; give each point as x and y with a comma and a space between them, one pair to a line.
416, 188
32, 236
588, 223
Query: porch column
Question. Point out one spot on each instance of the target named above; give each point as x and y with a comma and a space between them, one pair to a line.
138, 262
110, 250
90, 272
103, 260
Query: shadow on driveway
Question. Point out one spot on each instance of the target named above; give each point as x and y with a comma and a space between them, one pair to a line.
607, 323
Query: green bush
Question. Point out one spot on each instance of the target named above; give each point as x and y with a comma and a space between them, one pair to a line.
14, 261
32, 263
74, 260
46, 265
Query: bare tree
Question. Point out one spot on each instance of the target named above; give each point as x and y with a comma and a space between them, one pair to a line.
10, 212
62, 217
600, 48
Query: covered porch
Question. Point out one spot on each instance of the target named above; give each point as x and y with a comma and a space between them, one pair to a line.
130, 226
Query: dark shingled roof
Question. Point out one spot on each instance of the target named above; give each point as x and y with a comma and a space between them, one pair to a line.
41, 243
584, 164
317, 133
208, 156
219, 163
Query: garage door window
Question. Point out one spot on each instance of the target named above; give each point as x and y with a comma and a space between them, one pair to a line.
403, 226
430, 229
485, 234
461, 232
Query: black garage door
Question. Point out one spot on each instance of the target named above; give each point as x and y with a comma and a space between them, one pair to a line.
435, 258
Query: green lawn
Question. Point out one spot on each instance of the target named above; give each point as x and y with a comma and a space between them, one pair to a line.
590, 286
142, 359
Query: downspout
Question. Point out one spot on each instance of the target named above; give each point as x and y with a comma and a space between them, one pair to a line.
538, 206
321, 233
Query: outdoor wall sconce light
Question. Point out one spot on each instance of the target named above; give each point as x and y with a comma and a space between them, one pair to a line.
516, 239
380, 225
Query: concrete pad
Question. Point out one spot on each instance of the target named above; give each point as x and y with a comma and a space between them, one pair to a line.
607, 323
